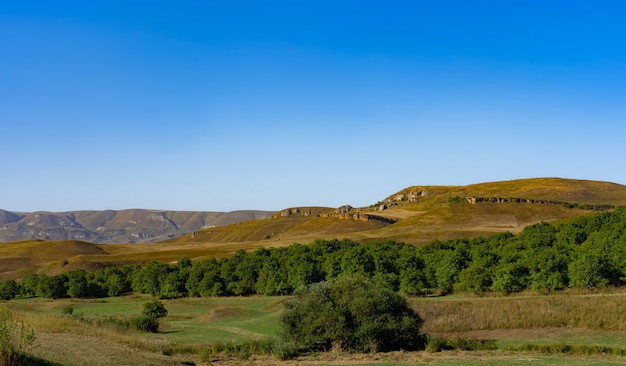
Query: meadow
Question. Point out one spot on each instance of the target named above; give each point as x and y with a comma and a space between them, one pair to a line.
571, 327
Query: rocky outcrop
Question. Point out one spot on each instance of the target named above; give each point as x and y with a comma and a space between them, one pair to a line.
344, 209
296, 211
410, 196
352, 214
583, 206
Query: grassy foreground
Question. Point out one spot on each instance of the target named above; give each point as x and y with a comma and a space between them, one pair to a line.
575, 328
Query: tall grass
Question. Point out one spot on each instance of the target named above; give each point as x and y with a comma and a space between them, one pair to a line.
587, 350
114, 329
592, 311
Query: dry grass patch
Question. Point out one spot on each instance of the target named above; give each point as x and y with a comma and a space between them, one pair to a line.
589, 311
95, 350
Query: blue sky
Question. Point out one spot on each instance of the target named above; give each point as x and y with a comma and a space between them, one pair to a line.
220, 106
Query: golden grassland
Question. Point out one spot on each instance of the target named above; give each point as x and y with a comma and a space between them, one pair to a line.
593, 310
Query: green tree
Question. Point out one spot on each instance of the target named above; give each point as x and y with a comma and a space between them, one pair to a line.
204, 278
54, 287
150, 279
149, 321
590, 271
273, 279
29, 285
8, 290
78, 286
353, 313
154, 309
448, 268
476, 278
173, 285
548, 269
358, 260
240, 273
510, 277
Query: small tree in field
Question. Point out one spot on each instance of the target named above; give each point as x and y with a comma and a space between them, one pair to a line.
154, 309
352, 313
149, 320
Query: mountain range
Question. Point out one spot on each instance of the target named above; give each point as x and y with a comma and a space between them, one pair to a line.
110, 226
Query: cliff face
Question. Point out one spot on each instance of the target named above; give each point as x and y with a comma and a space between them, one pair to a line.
125, 226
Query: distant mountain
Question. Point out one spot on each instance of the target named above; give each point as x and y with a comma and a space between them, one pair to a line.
125, 226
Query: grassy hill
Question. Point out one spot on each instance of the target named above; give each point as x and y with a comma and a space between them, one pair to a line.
416, 215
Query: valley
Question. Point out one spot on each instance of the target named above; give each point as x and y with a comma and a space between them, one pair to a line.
497, 271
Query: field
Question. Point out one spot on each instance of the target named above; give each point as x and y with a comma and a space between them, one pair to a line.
554, 325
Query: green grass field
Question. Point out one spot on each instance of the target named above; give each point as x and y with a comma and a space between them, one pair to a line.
586, 319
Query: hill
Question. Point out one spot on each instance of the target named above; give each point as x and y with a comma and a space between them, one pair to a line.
420, 214
125, 226
415, 215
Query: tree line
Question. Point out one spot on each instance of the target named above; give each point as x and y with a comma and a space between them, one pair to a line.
588, 251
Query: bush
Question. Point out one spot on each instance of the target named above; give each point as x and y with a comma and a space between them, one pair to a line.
145, 324
456, 200
154, 309
352, 312
205, 354
437, 344
8, 290
116, 322
15, 339
67, 310
284, 350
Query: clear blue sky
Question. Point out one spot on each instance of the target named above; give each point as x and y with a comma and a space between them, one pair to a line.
227, 105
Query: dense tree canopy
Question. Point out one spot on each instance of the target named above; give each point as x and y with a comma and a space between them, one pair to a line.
588, 251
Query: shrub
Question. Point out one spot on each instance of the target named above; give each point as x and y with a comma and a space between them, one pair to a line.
352, 312
67, 310
8, 290
15, 339
145, 324
456, 200
116, 322
284, 350
205, 354
437, 344
154, 309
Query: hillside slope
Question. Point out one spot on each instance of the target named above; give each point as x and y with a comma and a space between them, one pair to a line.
421, 214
